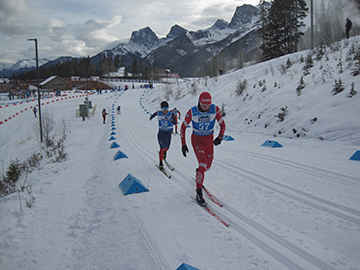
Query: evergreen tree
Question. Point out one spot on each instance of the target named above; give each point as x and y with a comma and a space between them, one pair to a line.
134, 68
264, 30
281, 27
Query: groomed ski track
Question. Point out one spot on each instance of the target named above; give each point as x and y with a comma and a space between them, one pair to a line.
282, 209
273, 249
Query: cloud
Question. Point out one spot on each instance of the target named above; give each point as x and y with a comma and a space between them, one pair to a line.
80, 39
86, 27
12, 14
9, 10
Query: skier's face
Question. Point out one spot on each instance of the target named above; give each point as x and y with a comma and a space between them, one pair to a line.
165, 110
205, 107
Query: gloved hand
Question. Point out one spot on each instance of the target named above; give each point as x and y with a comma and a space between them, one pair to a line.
150, 118
184, 149
217, 141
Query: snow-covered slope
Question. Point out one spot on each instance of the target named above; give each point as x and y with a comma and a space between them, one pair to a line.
271, 89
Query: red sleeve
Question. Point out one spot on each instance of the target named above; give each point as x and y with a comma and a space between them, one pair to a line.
221, 122
184, 125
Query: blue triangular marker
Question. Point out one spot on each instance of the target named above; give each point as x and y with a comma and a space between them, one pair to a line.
355, 156
272, 144
131, 185
114, 145
185, 266
112, 138
228, 138
119, 155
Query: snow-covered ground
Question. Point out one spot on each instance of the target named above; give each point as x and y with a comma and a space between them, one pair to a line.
294, 207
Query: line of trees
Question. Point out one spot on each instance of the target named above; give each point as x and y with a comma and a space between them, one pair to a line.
76, 67
281, 23
86, 67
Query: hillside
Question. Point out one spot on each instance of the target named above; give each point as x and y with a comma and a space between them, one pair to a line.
270, 103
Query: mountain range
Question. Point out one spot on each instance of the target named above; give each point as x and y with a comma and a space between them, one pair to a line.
188, 53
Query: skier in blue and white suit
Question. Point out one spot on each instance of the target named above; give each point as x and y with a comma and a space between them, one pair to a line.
166, 121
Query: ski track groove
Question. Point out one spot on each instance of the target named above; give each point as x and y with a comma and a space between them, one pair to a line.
300, 196
311, 170
257, 241
147, 233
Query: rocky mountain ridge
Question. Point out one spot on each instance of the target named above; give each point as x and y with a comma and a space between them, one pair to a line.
189, 53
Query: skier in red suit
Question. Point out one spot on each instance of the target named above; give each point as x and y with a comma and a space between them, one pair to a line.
203, 118
176, 112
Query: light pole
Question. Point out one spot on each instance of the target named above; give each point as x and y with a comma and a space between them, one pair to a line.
312, 23
38, 89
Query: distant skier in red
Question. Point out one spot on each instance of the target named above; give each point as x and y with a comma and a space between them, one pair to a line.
203, 118
104, 114
176, 112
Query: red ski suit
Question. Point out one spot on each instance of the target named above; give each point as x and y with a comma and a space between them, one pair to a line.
176, 112
202, 137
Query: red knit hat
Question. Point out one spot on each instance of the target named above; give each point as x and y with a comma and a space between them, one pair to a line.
205, 98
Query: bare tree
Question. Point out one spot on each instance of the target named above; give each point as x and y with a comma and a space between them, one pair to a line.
48, 126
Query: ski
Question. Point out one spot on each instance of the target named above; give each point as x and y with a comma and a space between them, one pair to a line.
212, 196
171, 168
208, 209
163, 171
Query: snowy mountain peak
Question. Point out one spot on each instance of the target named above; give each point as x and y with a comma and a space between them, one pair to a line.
220, 24
27, 63
141, 42
243, 15
175, 31
144, 36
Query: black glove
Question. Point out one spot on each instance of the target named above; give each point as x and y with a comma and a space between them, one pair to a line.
184, 149
217, 141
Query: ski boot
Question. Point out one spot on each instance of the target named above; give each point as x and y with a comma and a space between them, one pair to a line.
199, 196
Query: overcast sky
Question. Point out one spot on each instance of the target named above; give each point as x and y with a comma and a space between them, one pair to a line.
86, 27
